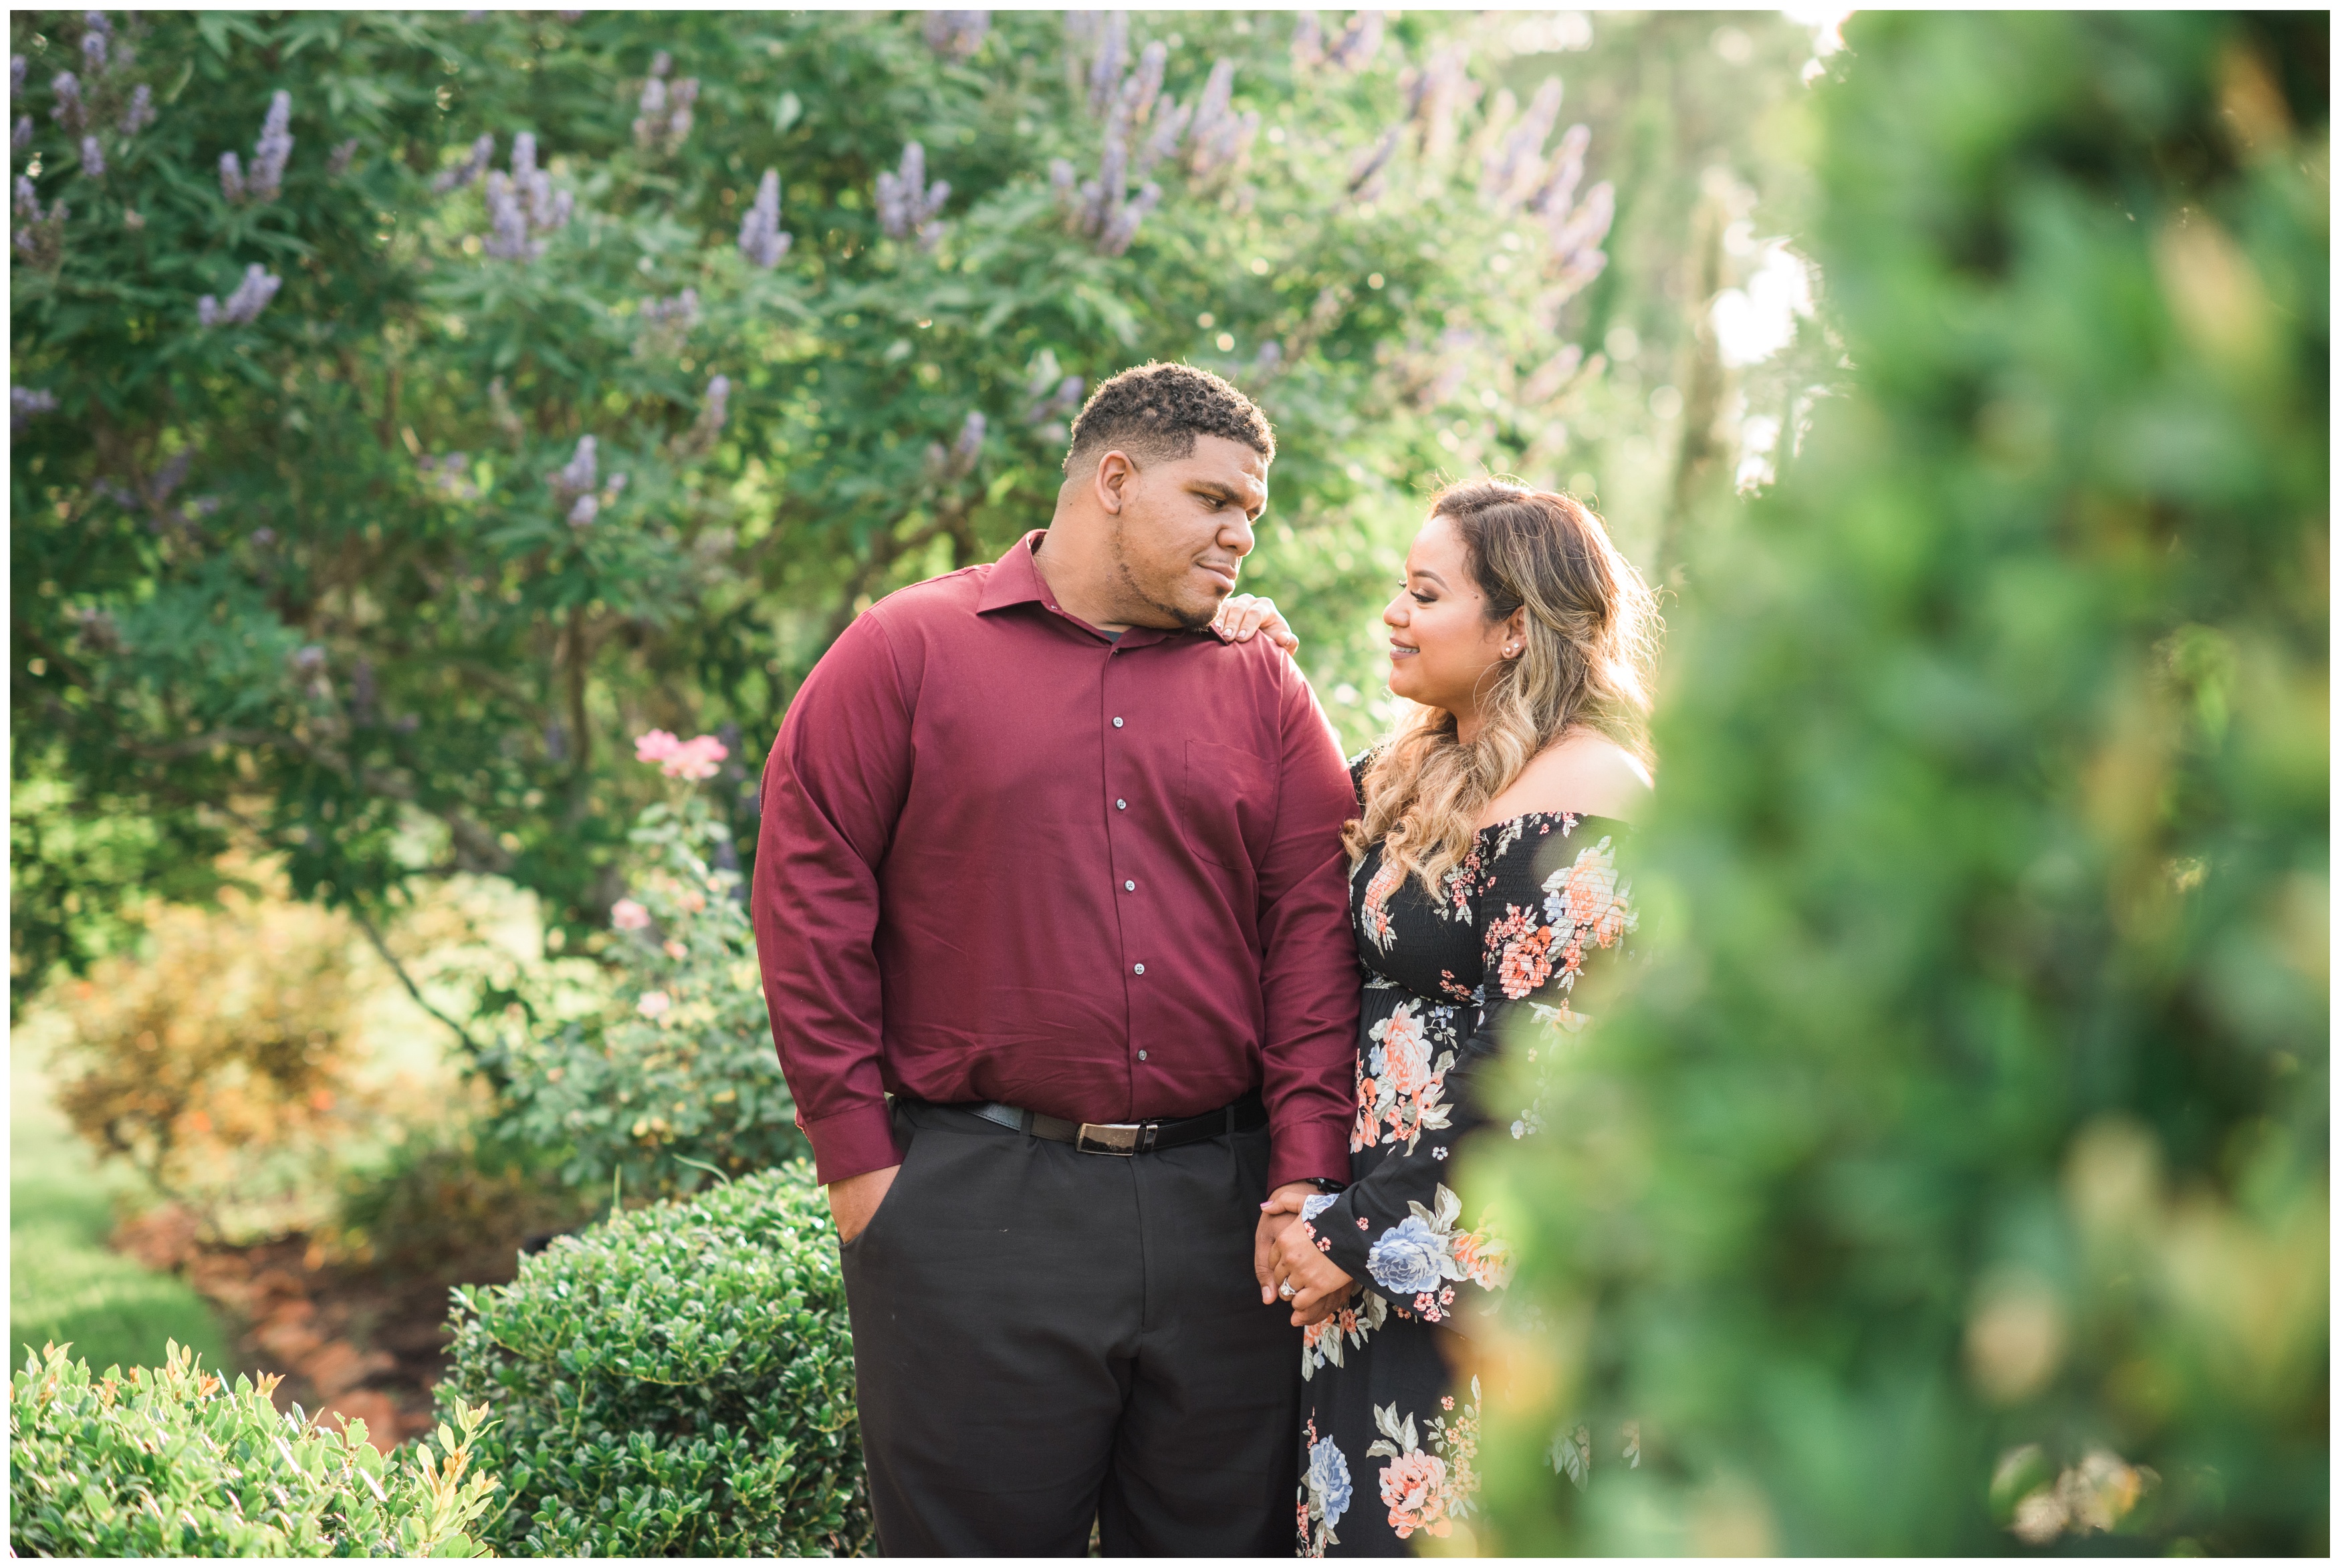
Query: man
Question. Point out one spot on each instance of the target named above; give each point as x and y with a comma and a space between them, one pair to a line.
1059, 868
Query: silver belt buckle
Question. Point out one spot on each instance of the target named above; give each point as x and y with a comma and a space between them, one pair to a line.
1120, 1138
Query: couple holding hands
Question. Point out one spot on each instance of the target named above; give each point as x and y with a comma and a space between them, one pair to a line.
1136, 1034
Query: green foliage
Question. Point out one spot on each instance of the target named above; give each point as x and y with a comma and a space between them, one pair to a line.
64, 1284
332, 569
675, 1381
1956, 1178
677, 1078
170, 1462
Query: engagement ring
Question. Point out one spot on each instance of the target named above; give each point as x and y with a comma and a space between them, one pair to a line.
1286, 1290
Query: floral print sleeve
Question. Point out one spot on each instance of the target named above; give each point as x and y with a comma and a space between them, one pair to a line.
1545, 900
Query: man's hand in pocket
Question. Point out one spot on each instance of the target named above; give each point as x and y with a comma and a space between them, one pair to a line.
854, 1201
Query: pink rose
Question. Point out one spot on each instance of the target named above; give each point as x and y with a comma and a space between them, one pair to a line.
681, 759
654, 1004
627, 915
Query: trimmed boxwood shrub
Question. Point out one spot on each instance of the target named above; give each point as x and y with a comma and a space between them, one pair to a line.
675, 1381
170, 1462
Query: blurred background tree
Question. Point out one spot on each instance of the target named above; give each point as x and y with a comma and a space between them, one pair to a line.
410, 408
1956, 1179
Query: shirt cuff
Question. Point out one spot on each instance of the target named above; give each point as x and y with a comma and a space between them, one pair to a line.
1311, 1149
852, 1143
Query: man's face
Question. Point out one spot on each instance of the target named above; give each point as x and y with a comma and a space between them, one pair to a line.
1184, 528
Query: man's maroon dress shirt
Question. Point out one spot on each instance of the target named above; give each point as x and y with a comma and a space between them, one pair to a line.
1003, 857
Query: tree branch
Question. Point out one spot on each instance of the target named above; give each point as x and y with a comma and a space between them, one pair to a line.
373, 935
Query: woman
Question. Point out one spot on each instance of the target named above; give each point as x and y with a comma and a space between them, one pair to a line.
1482, 884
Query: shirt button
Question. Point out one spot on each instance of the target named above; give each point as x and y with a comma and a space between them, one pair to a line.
1141, 1056
1116, 723
1129, 887
1140, 969
1121, 806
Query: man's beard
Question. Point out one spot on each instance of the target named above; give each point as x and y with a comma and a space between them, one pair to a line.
1191, 620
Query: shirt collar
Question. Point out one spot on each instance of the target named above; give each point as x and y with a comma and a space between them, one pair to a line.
1016, 580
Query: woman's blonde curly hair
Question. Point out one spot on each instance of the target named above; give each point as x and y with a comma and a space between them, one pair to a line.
1592, 632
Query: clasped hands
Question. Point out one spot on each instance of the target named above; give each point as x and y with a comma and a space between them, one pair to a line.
1285, 1254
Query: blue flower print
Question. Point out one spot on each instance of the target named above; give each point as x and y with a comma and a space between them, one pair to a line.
1409, 1258
1328, 1479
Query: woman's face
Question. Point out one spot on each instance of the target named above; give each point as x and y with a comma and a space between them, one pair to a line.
1442, 643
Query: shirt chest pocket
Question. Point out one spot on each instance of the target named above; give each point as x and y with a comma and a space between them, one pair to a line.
1226, 803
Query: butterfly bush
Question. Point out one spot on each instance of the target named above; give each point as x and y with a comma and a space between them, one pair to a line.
956, 34
958, 460
762, 239
23, 402
907, 205
714, 410
666, 108
784, 480
243, 306
475, 163
521, 205
578, 491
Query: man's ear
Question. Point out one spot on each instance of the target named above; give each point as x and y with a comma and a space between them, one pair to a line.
1114, 472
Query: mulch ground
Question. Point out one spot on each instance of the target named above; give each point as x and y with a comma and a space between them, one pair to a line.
350, 1342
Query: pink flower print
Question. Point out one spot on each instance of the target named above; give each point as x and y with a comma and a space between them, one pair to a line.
1405, 1054
1414, 1485
1527, 963
1587, 895
1484, 1260
1510, 926
627, 915
1446, 1402
1387, 879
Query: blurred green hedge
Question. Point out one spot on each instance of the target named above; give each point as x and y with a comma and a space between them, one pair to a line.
1956, 1179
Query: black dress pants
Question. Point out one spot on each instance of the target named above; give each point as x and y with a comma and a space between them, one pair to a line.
1044, 1338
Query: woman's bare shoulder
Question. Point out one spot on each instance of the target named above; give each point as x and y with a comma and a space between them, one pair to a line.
1583, 771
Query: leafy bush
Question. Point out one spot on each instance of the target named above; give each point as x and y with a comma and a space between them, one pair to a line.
675, 1381
535, 377
224, 1065
447, 1198
1958, 1179
676, 1078
170, 1462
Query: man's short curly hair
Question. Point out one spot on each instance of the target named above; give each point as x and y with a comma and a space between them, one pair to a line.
1154, 411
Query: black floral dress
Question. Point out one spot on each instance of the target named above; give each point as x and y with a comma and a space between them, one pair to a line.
1389, 1445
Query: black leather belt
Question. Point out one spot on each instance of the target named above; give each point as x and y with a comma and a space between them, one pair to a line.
1126, 1137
